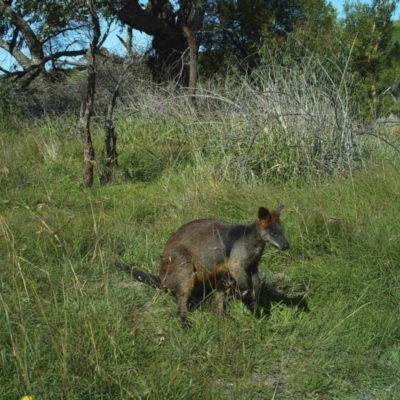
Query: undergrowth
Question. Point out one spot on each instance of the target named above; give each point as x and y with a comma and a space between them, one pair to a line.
74, 327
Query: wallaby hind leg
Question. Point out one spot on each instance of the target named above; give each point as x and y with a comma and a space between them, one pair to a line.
179, 269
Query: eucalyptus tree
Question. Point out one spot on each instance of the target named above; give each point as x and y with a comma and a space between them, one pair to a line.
237, 29
42, 35
176, 30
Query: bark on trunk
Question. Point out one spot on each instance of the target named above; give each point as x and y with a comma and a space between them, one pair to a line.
193, 61
173, 34
168, 61
87, 103
88, 148
110, 138
110, 141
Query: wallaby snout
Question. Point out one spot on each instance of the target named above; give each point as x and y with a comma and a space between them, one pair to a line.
283, 244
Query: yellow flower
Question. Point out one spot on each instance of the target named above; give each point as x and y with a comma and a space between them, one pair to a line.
27, 398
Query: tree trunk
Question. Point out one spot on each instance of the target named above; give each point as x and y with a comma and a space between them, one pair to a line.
110, 141
193, 62
110, 138
170, 43
87, 103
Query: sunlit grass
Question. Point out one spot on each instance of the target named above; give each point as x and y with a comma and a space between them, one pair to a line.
74, 327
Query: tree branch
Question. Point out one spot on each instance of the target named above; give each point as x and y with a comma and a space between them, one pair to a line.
50, 57
31, 72
6, 72
134, 16
105, 35
65, 30
22, 59
64, 53
33, 43
13, 41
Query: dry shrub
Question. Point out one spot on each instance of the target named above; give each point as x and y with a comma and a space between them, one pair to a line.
274, 123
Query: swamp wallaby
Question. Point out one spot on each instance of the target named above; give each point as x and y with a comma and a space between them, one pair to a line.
206, 254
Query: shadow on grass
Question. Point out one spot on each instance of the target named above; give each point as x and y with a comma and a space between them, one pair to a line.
277, 289
273, 292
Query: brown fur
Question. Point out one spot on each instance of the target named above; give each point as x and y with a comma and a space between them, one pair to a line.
204, 254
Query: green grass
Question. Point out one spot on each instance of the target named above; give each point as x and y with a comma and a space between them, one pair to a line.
74, 327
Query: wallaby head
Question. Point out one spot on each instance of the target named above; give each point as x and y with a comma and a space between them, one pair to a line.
270, 228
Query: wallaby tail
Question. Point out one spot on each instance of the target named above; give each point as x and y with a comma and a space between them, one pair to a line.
141, 276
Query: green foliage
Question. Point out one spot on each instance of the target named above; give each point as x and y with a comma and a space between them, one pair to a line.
315, 33
396, 32
375, 55
234, 30
360, 50
243, 35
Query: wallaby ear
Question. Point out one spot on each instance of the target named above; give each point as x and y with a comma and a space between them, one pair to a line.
279, 209
263, 214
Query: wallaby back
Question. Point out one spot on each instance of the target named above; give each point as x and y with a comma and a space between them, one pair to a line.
207, 254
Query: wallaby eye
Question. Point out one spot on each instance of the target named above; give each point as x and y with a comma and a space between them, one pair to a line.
274, 232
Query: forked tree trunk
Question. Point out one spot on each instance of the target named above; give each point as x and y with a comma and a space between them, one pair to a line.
87, 103
110, 137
